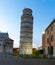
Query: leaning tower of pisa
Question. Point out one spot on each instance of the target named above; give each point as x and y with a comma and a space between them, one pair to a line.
26, 32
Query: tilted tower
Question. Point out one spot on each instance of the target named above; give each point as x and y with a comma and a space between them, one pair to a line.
26, 32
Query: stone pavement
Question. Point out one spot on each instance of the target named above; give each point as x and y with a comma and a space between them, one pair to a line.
20, 61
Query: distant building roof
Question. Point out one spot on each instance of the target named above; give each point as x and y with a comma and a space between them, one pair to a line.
40, 48
4, 36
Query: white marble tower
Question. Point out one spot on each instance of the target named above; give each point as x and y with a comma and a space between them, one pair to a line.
26, 32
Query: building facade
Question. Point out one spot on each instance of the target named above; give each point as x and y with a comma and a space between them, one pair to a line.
26, 32
49, 40
6, 44
43, 42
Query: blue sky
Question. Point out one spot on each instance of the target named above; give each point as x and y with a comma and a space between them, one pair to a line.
10, 18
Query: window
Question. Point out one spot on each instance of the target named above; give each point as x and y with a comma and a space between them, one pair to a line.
52, 38
47, 40
10, 46
51, 28
47, 31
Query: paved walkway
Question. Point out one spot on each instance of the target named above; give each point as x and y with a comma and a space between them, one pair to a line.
20, 61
